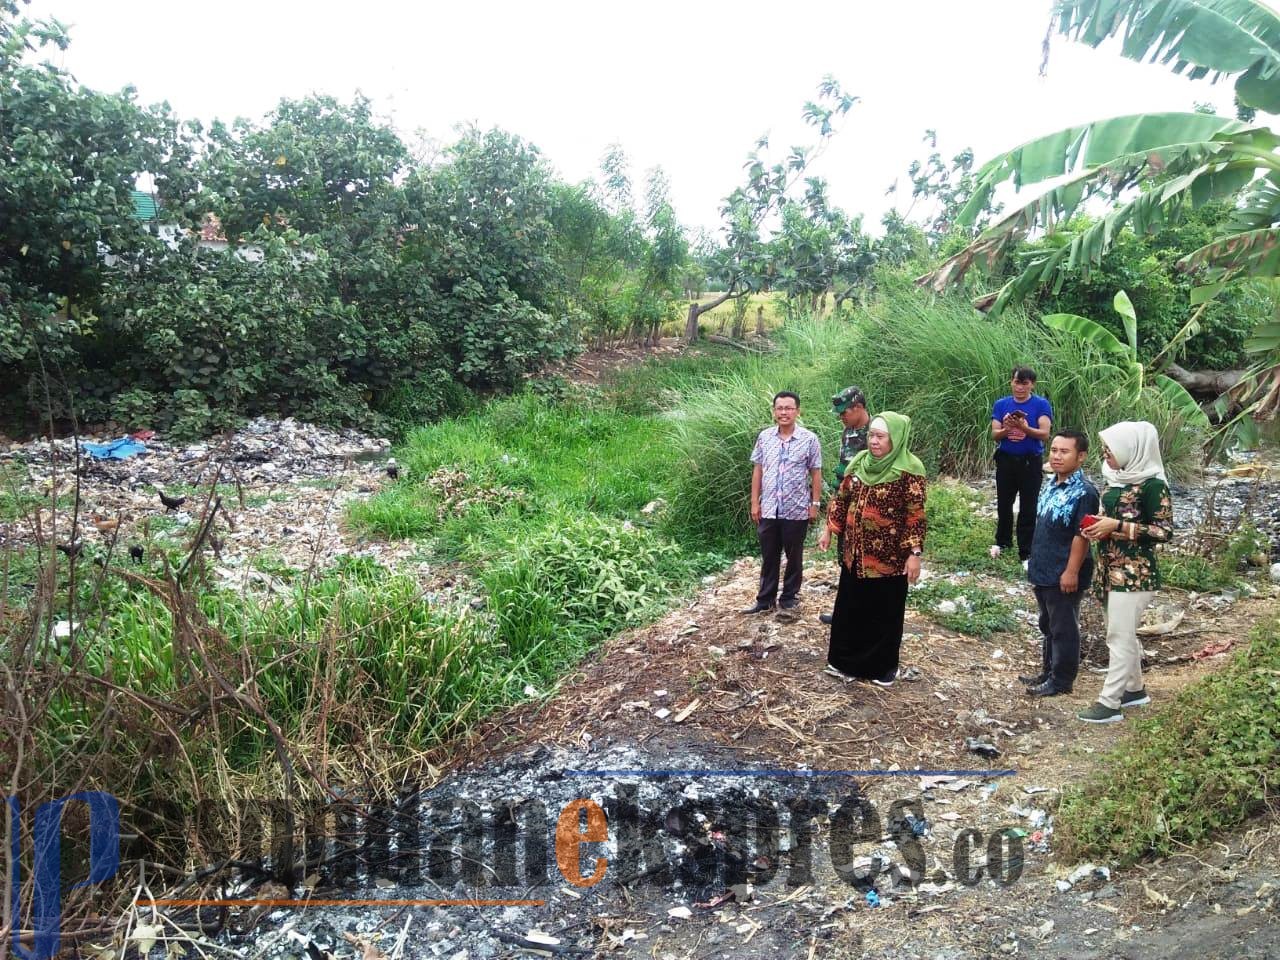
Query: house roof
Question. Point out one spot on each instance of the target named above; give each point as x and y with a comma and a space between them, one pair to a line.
145, 205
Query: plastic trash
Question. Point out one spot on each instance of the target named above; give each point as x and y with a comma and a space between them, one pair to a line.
121, 449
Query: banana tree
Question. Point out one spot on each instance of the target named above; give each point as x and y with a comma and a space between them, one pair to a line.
1153, 165
1124, 355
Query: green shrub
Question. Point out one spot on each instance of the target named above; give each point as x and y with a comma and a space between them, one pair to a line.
977, 612
190, 415
1200, 765
557, 591
136, 408
957, 538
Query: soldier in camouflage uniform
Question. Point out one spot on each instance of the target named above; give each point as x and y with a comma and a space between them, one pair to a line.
851, 407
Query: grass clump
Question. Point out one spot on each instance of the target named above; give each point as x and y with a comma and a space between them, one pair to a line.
959, 539
965, 609
1204, 571
576, 581
1203, 764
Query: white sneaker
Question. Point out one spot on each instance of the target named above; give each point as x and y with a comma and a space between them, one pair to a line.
994, 551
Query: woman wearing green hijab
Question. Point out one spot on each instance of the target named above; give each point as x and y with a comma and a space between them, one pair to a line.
880, 511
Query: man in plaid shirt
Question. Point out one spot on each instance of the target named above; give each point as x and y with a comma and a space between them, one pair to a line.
786, 491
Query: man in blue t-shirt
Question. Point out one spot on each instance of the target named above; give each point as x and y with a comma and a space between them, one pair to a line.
1061, 565
1020, 424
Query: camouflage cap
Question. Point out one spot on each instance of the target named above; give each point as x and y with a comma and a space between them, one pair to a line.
848, 397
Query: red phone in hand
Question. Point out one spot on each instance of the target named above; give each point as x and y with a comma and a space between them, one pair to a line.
1088, 520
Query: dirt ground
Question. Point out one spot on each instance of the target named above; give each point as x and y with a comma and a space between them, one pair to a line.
723, 720
751, 688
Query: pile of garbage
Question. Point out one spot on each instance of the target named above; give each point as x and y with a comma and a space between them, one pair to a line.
282, 484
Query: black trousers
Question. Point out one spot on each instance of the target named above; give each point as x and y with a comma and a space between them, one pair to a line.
1060, 633
776, 538
866, 625
1017, 477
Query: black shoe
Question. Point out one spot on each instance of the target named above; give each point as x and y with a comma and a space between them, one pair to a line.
788, 604
1046, 690
886, 680
825, 618
758, 608
1035, 681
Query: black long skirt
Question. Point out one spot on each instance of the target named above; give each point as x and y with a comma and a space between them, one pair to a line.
866, 625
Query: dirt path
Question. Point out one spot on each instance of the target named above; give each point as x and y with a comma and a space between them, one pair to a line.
705, 692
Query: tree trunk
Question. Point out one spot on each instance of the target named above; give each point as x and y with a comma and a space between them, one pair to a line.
695, 311
691, 323
1204, 382
760, 321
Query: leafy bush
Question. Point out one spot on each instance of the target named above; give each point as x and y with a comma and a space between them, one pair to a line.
563, 588
136, 408
976, 612
1202, 764
1147, 267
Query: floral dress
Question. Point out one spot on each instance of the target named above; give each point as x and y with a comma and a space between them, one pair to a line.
881, 524
1130, 564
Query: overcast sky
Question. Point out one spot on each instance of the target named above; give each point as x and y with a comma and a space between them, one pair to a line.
688, 86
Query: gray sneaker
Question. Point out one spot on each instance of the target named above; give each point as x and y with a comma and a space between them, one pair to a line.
1100, 714
1134, 698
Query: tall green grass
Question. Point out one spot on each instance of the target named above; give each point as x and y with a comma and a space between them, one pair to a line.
714, 428
944, 364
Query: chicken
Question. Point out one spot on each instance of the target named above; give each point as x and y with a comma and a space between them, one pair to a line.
171, 503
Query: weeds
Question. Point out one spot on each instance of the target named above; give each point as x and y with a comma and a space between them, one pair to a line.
1201, 765
965, 609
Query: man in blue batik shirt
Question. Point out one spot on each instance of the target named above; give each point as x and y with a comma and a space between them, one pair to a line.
1061, 566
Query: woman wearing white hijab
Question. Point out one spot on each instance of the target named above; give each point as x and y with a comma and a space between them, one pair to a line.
1137, 514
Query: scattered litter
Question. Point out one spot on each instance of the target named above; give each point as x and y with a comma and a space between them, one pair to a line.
981, 747
1044, 930
62, 629
1035, 790
121, 449
1087, 871
653, 506
909, 674
662, 713
680, 913
1213, 649
1164, 628
530, 690
684, 714
873, 898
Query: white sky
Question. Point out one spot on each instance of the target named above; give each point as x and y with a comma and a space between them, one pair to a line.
688, 86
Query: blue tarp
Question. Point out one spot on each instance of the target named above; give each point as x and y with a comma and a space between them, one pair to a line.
121, 449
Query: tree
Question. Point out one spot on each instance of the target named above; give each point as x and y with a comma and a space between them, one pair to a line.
71, 158
767, 186
1155, 165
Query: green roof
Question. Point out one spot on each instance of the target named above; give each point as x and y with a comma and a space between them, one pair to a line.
145, 205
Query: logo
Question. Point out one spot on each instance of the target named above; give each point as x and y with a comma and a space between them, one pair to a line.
46, 865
